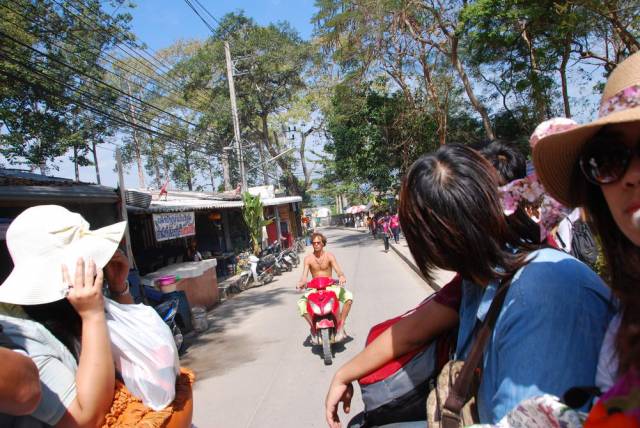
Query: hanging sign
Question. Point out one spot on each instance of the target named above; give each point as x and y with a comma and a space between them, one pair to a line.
174, 225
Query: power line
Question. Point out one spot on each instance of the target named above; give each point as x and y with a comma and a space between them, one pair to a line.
117, 120
207, 12
80, 72
200, 16
112, 63
122, 43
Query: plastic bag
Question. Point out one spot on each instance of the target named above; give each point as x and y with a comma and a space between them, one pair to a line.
144, 352
199, 319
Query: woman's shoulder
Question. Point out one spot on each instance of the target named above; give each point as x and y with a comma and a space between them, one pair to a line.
33, 338
555, 273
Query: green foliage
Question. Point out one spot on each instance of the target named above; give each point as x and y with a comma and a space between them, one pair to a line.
252, 212
49, 69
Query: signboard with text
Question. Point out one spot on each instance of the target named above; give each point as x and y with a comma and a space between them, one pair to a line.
174, 225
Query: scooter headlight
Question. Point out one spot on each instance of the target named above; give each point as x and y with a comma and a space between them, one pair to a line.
328, 306
315, 308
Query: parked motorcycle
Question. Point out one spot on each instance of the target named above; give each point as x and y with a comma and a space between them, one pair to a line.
260, 272
323, 306
168, 311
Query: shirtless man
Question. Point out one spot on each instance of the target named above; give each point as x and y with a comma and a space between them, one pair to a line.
322, 263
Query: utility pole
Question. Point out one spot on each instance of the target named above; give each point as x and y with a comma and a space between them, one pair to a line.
234, 114
123, 208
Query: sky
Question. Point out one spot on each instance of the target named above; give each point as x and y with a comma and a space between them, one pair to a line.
159, 23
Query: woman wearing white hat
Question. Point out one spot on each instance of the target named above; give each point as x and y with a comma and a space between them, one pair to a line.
597, 166
58, 277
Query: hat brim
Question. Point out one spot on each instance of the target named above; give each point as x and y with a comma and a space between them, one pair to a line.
40, 280
556, 155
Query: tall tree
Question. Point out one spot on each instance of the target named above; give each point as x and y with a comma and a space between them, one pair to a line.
50, 72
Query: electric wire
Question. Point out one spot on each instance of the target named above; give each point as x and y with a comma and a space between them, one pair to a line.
200, 16
115, 119
80, 72
112, 63
124, 43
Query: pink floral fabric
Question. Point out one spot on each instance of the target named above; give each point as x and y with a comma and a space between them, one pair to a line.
551, 126
530, 193
623, 100
545, 411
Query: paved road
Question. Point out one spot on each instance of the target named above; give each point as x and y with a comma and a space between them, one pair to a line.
255, 367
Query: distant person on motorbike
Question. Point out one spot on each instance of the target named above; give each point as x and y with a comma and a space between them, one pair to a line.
322, 263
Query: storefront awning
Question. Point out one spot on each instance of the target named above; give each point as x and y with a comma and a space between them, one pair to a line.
204, 204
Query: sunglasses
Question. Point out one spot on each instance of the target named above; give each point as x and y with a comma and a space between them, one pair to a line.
317, 242
606, 163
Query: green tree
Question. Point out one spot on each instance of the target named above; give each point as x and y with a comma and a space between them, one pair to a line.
270, 62
253, 215
49, 76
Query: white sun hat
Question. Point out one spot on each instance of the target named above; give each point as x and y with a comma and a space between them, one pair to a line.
43, 238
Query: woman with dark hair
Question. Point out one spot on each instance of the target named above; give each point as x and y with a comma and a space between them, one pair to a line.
597, 166
452, 218
53, 309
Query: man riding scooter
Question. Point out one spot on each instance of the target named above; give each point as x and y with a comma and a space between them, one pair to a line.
322, 263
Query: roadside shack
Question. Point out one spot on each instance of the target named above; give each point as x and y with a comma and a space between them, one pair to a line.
20, 190
162, 233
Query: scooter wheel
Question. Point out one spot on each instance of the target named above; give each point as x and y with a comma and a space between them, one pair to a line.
326, 346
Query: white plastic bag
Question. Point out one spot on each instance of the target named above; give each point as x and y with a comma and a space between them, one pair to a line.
144, 352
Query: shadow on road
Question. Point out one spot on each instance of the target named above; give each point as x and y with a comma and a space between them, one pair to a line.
350, 240
212, 352
336, 348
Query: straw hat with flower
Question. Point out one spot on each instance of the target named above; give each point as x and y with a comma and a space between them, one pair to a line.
555, 155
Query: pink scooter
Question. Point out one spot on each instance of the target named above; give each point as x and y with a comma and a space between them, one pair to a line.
324, 307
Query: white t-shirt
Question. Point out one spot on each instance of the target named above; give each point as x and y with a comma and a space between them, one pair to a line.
607, 371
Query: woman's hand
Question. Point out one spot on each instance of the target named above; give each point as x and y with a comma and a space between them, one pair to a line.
338, 392
85, 291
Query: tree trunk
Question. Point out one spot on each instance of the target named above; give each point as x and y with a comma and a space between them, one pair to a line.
187, 167
537, 92
265, 143
226, 178
75, 163
94, 150
477, 105
563, 79
213, 185
136, 140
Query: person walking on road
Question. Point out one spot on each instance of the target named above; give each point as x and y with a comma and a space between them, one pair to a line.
322, 263
394, 223
384, 223
371, 221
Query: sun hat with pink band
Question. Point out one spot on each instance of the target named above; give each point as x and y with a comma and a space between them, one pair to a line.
43, 238
555, 155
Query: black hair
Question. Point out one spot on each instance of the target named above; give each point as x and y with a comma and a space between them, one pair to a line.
452, 217
61, 319
510, 163
622, 262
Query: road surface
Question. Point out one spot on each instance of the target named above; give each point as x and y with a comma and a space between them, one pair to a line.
255, 367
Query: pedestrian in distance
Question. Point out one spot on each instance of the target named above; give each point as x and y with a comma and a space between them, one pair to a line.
394, 224
385, 227
372, 226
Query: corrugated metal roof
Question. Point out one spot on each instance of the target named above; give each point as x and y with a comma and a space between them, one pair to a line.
18, 185
204, 204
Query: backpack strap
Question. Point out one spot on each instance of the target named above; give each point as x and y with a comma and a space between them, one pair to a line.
460, 392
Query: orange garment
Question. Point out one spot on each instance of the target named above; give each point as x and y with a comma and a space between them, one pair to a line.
128, 411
